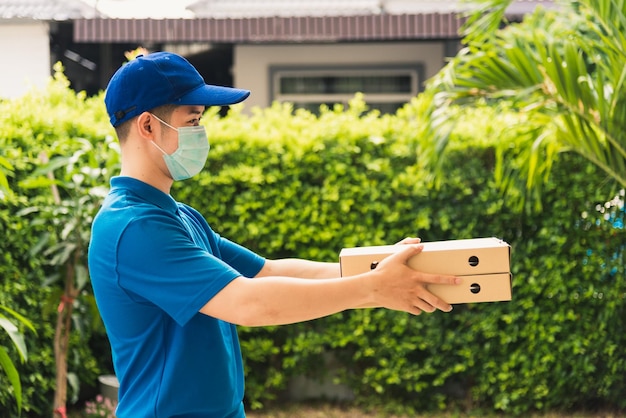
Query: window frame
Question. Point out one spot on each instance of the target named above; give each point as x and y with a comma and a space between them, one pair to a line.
414, 70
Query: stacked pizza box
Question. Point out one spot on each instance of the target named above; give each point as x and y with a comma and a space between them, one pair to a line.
483, 264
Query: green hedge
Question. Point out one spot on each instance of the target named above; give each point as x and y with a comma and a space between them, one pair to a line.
59, 123
347, 179
291, 184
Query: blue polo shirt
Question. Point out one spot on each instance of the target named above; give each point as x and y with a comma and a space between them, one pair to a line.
154, 263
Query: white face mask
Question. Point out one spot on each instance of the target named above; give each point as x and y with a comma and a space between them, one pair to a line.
191, 154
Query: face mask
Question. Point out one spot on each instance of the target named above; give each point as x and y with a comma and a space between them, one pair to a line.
191, 154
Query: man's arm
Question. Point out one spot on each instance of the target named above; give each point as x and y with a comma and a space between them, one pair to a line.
305, 269
275, 300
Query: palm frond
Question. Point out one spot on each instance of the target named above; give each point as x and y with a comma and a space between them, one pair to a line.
564, 70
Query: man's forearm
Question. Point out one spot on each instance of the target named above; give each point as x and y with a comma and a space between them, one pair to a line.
279, 300
305, 269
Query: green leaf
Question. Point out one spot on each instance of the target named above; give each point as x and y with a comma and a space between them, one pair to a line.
20, 318
15, 335
13, 376
6, 163
38, 182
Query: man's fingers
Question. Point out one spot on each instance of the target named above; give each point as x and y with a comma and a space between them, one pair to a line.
433, 300
439, 279
429, 302
414, 310
409, 240
424, 306
407, 252
437, 303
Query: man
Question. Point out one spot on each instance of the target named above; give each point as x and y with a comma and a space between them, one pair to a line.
169, 289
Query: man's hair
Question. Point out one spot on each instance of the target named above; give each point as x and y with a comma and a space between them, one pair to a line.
162, 112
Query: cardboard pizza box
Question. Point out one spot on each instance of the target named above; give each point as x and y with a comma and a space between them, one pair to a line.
485, 262
455, 257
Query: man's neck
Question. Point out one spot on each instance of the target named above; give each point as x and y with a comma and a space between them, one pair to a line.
154, 179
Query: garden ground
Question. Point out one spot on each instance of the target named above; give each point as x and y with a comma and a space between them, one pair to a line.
329, 410
316, 410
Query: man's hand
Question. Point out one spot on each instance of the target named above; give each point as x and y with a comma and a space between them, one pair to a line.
394, 285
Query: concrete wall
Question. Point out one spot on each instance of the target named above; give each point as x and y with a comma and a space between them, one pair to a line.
25, 52
251, 67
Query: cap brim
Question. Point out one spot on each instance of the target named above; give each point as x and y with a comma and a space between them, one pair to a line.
210, 95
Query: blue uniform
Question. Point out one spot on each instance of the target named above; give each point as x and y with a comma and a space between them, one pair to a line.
154, 263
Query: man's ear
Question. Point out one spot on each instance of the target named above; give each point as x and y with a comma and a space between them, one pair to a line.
144, 124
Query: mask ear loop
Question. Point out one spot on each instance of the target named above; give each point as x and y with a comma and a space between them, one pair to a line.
163, 122
159, 148
166, 124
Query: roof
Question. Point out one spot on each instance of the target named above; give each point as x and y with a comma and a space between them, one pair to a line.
45, 10
271, 29
284, 8
266, 21
235, 9
293, 8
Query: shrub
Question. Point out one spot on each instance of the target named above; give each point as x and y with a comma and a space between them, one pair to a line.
288, 183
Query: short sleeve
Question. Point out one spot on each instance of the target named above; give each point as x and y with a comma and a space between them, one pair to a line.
247, 262
243, 260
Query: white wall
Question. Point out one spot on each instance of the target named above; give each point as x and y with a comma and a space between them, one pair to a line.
251, 68
25, 52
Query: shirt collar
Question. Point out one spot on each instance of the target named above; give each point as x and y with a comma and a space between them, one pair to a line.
145, 191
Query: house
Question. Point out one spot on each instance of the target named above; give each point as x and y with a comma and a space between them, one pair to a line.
31, 40
303, 51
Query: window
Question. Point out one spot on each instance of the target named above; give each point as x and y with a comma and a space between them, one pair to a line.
385, 88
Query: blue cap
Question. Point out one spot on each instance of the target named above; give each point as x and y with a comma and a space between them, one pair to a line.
161, 78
